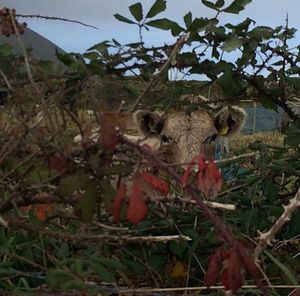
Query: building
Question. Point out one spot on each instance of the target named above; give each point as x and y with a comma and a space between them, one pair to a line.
41, 47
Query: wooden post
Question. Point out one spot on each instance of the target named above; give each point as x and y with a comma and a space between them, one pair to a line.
254, 118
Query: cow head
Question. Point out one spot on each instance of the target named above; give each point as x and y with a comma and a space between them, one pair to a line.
184, 136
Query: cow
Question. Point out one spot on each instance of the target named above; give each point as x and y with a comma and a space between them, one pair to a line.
183, 136
180, 136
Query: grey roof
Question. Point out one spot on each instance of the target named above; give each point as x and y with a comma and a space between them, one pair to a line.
42, 48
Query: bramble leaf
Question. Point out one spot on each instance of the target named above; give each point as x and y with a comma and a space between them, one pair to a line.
157, 7
137, 208
137, 11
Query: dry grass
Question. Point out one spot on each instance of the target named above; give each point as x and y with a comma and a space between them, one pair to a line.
239, 144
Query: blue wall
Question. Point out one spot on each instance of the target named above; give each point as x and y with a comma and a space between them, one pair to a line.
266, 119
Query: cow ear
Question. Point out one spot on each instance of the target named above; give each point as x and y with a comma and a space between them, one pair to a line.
148, 122
230, 120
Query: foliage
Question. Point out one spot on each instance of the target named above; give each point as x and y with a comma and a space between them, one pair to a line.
101, 214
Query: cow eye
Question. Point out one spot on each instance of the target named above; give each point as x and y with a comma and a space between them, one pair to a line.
166, 140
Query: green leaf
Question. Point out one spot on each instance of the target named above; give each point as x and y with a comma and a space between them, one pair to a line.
123, 19
75, 283
108, 262
135, 267
178, 248
267, 102
230, 84
200, 24
188, 19
157, 7
117, 169
5, 49
100, 47
85, 207
104, 273
108, 193
91, 55
209, 4
166, 24
156, 262
137, 11
271, 191
294, 81
116, 43
220, 3
292, 136
283, 268
236, 6
262, 32
69, 184
47, 67
232, 44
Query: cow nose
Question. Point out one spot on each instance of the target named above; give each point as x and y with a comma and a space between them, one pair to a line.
165, 140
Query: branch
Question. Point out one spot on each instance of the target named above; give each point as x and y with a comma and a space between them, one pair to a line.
21, 223
54, 18
267, 238
156, 78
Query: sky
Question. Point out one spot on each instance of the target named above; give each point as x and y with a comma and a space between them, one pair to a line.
76, 38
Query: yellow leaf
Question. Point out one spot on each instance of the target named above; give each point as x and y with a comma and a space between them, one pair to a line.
178, 270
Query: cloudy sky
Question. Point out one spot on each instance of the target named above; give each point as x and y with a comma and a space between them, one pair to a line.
99, 13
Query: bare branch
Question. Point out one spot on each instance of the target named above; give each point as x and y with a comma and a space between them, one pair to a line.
54, 18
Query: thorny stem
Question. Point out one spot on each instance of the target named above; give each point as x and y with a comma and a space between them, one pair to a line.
267, 237
54, 18
217, 222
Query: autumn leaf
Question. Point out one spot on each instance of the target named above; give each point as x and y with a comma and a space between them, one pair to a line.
232, 278
156, 183
178, 270
214, 268
209, 179
137, 208
187, 172
118, 200
248, 261
43, 211
58, 163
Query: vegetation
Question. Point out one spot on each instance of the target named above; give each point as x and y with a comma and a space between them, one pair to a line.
69, 226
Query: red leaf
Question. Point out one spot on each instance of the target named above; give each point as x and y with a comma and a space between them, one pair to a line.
43, 211
57, 163
109, 135
156, 183
209, 178
248, 261
187, 172
214, 268
137, 208
118, 200
232, 278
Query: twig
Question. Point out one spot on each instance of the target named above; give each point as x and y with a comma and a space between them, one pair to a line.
26, 60
6, 80
223, 160
17, 222
3, 222
267, 238
187, 200
54, 18
201, 288
156, 78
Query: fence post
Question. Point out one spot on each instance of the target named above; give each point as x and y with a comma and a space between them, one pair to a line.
254, 118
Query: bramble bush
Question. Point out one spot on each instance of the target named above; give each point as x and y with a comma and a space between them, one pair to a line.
110, 217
